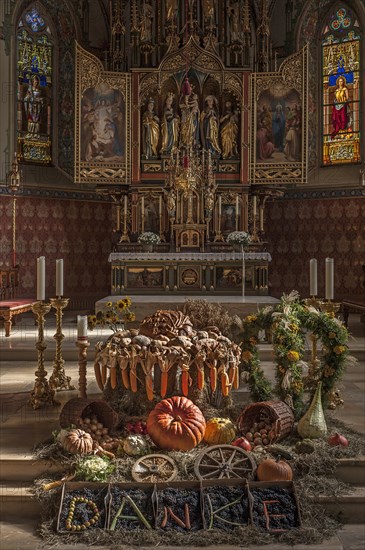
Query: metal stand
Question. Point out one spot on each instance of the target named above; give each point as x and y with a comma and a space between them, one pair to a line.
82, 345
58, 380
42, 393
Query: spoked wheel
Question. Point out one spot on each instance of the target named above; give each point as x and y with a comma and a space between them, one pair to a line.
224, 461
154, 468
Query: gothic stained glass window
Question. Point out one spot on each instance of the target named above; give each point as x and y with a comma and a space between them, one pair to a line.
341, 88
34, 92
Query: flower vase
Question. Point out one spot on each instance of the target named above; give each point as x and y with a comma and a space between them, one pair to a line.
313, 424
147, 247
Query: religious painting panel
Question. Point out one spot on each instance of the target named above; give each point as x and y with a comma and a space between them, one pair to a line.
341, 88
145, 277
228, 277
34, 81
103, 126
279, 123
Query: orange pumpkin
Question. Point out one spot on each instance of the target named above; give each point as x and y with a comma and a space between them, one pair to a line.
219, 431
78, 442
274, 470
176, 424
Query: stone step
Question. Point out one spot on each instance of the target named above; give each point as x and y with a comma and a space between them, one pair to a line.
15, 535
15, 468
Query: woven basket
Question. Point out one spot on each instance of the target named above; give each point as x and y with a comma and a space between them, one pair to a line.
78, 407
278, 414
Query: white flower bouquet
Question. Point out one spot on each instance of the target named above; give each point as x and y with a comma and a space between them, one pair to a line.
239, 238
149, 238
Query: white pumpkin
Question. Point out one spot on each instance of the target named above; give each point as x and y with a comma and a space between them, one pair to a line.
135, 445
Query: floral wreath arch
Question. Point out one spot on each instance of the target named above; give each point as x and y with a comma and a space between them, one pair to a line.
287, 324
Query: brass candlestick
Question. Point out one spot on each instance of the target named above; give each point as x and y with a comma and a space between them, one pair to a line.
42, 393
58, 379
327, 306
82, 345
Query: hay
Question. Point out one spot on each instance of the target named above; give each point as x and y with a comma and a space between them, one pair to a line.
313, 474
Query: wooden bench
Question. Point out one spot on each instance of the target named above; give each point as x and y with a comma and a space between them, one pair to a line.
10, 308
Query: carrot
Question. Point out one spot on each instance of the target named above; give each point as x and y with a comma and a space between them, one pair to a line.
133, 380
200, 379
98, 376
187, 516
225, 384
164, 380
185, 382
125, 378
113, 377
213, 378
149, 387
236, 378
103, 374
176, 518
231, 374
164, 520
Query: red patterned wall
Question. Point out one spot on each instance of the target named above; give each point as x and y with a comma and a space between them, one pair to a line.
77, 231
299, 230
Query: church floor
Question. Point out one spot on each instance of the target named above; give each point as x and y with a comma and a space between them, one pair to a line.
22, 428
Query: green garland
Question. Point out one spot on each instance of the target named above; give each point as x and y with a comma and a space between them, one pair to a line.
287, 322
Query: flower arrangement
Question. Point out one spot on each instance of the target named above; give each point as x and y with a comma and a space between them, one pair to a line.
116, 315
240, 238
148, 237
288, 322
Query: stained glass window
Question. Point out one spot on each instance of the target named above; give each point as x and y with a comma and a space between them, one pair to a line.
341, 88
34, 97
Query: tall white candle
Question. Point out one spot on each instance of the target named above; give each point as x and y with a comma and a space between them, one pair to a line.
81, 327
330, 279
254, 205
313, 286
41, 278
59, 277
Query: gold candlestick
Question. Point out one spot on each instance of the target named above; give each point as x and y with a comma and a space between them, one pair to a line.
327, 306
58, 379
82, 345
42, 393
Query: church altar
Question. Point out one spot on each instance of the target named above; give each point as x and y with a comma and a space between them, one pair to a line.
192, 272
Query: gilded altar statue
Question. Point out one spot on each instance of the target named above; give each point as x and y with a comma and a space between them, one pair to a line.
209, 195
151, 130
190, 114
210, 125
233, 17
170, 127
229, 132
146, 22
171, 203
171, 10
209, 11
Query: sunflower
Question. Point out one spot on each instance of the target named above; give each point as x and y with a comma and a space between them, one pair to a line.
109, 304
121, 305
292, 355
129, 317
127, 301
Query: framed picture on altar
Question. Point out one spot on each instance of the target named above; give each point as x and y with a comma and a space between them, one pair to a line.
102, 105
279, 123
145, 277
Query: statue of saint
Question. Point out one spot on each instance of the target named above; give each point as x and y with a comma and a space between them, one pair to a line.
210, 125
146, 23
209, 11
171, 203
209, 201
151, 130
171, 11
169, 127
190, 114
234, 16
229, 132
33, 104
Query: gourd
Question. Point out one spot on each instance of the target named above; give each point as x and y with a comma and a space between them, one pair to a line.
176, 424
135, 445
219, 431
78, 442
274, 470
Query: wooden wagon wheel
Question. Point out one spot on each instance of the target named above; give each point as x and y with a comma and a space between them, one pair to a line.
154, 468
224, 461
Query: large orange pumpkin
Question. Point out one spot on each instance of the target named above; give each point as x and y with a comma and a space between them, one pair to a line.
219, 431
176, 424
274, 470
